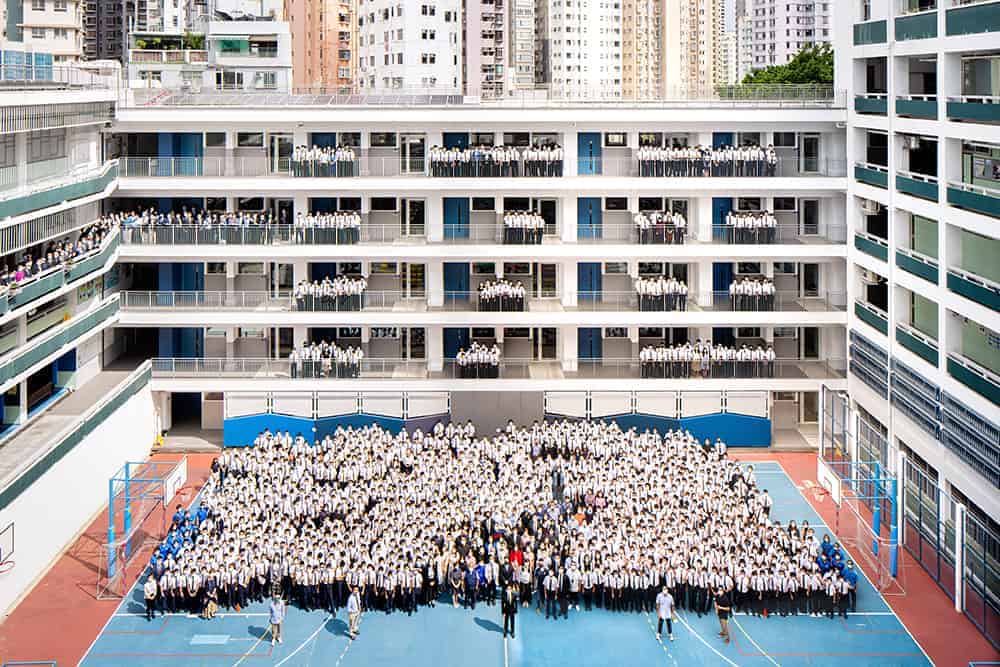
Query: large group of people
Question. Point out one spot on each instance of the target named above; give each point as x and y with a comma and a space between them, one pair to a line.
479, 361
330, 294
201, 226
660, 227
751, 294
35, 262
660, 293
501, 295
325, 360
523, 227
336, 227
706, 360
479, 161
750, 227
559, 516
724, 161
324, 161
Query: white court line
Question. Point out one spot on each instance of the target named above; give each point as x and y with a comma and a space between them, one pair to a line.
344, 652
660, 641
254, 647
188, 615
506, 662
702, 640
850, 613
756, 645
326, 619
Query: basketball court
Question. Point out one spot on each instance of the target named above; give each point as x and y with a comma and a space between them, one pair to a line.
446, 636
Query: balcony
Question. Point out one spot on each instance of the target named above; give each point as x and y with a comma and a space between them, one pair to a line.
871, 174
871, 245
872, 103
974, 108
972, 17
872, 316
976, 288
57, 189
167, 57
974, 376
918, 343
918, 185
920, 25
974, 198
919, 265
917, 106
872, 32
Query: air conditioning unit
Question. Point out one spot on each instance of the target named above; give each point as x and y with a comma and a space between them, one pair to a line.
869, 207
911, 143
870, 277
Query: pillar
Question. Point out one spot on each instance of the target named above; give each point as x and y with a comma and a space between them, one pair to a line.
435, 349
434, 286
569, 284
567, 344
434, 220
567, 218
700, 227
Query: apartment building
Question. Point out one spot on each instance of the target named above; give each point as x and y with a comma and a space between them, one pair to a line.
484, 41
693, 57
579, 48
324, 43
781, 29
643, 40
53, 26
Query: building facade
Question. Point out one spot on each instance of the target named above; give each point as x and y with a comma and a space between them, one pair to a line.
324, 43
579, 48
693, 57
782, 29
53, 26
643, 40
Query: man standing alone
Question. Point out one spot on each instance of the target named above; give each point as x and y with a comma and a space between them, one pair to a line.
723, 607
353, 613
276, 613
508, 606
665, 612
149, 591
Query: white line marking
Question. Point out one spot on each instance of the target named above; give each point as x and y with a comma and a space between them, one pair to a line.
187, 615
326, 619
702, 640
254, 647
854, 613
660, 641
756, 645
344, 652
506, 662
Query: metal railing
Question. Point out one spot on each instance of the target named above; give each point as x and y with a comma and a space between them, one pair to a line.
787, 301
785, 369
226, 368
785, 168
46, 176
975, 189
57, 77
263, 235
783, 232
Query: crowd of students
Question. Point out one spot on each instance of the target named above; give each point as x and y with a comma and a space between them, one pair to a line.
705, 360
751, 294
501, 295
324, 161
661, 294
479, 361
750, 227
523, 227
325, 360
568, 515
331, 294
660, 227
340, 227
35, 262
478, 161
722, 161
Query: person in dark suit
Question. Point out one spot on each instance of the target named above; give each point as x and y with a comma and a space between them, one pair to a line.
508, 606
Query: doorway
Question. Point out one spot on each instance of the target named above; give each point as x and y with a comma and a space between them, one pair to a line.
411, 218
809, 162
809, 217
280, 153
412, 150
543, 281
809, 277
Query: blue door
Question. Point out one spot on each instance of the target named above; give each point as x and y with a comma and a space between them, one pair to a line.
721, 206
454, 340
588, 280
456, 217
458, 140
456, 281
722, 277
723, 336
588, 217
588, 153
588, 343
323, 139
720, 139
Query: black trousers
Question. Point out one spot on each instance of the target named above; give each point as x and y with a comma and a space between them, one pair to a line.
150, 608
508, 624
659, 626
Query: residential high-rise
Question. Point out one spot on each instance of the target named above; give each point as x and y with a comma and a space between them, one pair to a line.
52, 26
730, 57
744, 46
324, 43
484, 25
642, 49
781, 29
579, 48
693, 57
520, 72
411, 45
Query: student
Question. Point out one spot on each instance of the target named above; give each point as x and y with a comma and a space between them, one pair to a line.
665, 611
353, 613
276, 616
723, 607
508, 607
150, 592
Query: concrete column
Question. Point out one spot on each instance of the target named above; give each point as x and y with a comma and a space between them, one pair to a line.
300, 204
231, 276
568, 341
569, 284
300, 270
434, 272
434, 219
300, 334
300, 137
21, 157
569, 154
435, 349
701, 226
702, 287
567, 219
22, 401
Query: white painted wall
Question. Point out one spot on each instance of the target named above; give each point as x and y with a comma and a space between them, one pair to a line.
49, 514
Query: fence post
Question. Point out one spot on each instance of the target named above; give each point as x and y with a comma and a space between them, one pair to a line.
111, 526
876, 508
901, 498
959, 556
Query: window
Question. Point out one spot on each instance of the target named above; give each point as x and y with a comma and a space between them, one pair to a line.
748, 332
615, 139
385, 268
516, 268
383, 204
265, 80
352, 139
785, 140
784, 203
787, 268
650, 138
215, 139
249, 203
752, 268
483, 332
616, 268
616, 203
38, 33
516, 332
748, 204
484, 204
650, 203
428, 58
229, 81
46, 145
385, 332
249, 139
616, 332
482, 139
428, 10
150, 75
215, 268
484, 268
59, 5
382, 139
38, 5
250, 268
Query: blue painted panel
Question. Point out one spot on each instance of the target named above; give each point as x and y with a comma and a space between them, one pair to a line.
589, 281
67, 362
242, 431
454, 340
721, 206
456, 217
458, 140
735, 430
329, 425
722, 276
318, 334
723, 336
588, 153
588, 217
320, 270
456, 278
323, 139
720, 139
588, 343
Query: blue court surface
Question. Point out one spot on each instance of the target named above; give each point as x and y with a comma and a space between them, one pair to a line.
445, 636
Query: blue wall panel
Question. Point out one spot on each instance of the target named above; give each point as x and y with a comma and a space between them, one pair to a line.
241, 431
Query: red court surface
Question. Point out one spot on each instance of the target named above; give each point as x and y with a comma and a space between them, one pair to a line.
60, 617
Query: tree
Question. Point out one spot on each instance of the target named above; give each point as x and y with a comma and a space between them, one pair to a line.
810, 65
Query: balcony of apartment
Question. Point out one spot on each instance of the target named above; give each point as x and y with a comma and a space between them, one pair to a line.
38, 185
874, 101
921, 102
873, 238
870, 32
979, 189
918, 255
168, 57
916, 19
980, 98
917, 328
973, 358
872, 306
972, 17
973, 270
874, 170
919, 177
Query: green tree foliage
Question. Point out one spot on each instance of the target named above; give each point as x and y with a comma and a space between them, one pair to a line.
810, 65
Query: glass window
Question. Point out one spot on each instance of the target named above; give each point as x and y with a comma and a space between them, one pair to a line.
616, 203
215, 139
517, 268
383, 203
484, 268
616, 332
615, 139
215, 268
250, 139
784, 203
382, 139
650, 203
384, 268
250, 268
484, 204
785, 140
616, 268
516, 332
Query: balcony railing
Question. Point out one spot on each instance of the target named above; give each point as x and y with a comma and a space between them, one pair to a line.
61, 187
782, 233
974, 108
871, 32
15, 77
974, 198
918, 264
977, 288
267, 235
873, 316
918, 343
789, 301
871, 245
785, 168
975, 377
918, 185
871, 174
917, 106
872, 103
970, 17
917, 25
178, 56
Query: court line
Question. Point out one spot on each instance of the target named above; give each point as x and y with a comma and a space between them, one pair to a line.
752, 641
254, 647
853, 613
506, 662
344, 652
702, 640
326, 619
184, 614
660, 641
